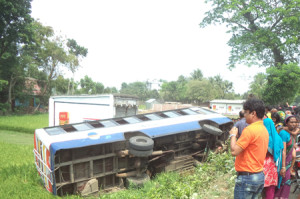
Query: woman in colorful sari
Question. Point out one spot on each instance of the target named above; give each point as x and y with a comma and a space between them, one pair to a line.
284, 181
272, 163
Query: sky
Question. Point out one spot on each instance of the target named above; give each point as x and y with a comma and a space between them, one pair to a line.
143, 40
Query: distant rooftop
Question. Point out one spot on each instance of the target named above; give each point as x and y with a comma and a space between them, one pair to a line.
225, 101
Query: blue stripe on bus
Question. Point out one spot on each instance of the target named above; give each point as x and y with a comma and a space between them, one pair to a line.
171, 129
151, 132
86, 142
221, 120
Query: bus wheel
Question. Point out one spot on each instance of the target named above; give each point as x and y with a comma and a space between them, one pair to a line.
212, 130
141, 143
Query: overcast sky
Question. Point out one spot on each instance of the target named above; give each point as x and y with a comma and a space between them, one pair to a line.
138, 40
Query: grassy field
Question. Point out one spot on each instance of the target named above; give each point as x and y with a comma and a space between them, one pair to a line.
25, 123
19, 178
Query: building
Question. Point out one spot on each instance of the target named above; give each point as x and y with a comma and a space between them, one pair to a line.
227, 107
32, 93
150, 103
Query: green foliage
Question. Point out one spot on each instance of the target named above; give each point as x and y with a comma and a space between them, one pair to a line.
43, 58
197, 74
139, 89
3, 83
76, 49
282, 84
263, 32
61, 85
14, 21
88, 86
258, 85
175, 90
202, 91
24, 123
110, 90
223, 88
4, 107
169, 91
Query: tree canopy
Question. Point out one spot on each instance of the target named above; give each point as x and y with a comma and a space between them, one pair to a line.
283, 84
263, 32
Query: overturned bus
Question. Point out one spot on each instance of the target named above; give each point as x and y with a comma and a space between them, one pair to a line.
84, 158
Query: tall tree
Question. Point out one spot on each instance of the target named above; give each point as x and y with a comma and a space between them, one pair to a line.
222, 87
200, 91
15, 32
263, 32
76, 53
181, 88
87, 85
14, 20
283, 84
258, 85
169, 91
197, 74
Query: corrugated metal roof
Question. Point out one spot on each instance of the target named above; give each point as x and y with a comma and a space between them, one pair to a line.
150, 100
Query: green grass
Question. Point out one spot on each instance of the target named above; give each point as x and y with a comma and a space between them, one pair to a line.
18, 175
16, 137
24, 123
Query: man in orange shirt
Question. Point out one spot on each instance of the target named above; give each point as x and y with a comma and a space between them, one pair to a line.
250, 151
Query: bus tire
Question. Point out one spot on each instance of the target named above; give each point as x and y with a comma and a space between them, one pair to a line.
141, 143
212, 130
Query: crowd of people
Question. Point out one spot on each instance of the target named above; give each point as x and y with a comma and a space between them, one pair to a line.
264, 143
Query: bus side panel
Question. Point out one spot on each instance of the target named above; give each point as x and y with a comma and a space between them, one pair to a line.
42, 162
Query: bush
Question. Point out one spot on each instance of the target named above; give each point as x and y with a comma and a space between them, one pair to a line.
4, 108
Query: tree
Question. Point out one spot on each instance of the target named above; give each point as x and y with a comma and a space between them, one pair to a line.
197, 74
138, 89
169, 91
263, 32
283, 84
111, 90
14, 20
52, 54
200, 91
222, 87
87, 85
61, 85
98, 89
257, 86
76, 53
15, 32
181, 88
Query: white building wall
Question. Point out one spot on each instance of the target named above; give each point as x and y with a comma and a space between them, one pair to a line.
226, 108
